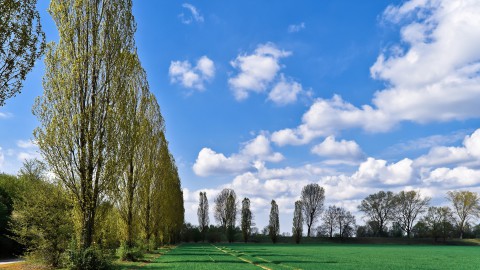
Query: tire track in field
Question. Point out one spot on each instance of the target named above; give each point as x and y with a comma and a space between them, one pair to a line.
242, 259
267, 261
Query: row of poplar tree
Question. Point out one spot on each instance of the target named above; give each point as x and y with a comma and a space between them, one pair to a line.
408, 212
101, 132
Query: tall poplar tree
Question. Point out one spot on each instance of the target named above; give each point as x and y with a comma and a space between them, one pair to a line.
84, 73
134, 135
152, 175
274, 222
202, 212
297, 228
246, 219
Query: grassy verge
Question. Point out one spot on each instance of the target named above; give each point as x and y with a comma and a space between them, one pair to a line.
148, 259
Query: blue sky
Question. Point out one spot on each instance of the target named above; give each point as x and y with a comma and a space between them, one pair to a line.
267, 96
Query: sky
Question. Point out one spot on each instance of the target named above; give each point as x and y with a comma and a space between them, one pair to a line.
266, 97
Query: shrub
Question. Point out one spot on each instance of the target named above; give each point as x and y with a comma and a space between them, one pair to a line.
89, 259
130, 254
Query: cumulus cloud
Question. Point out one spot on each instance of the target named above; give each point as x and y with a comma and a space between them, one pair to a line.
430, 78
210, 162
459, 177
468, 153
377, 170
285, 91
257, 70
293, 28
284, 184
329, 116
183, 73
193, 15
332, 148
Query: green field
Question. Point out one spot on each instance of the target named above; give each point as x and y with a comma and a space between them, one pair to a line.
315, 256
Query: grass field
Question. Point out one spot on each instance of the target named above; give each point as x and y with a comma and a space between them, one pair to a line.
317, 256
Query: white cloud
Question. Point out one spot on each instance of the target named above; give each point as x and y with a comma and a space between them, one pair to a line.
194, 15
327, 117
377, 170
285, 91
293, 28
257, 150
260, 149
433, 78
331, 148
468, 153
183, 73
459, 177
210, 162
430, 77
256, 71
284, 184
428, 142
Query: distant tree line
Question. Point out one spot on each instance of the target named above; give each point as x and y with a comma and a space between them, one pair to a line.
404, 214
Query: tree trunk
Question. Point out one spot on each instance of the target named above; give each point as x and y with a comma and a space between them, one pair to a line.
148, 233
87, 228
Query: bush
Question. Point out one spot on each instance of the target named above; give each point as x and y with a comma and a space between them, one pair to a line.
89, 259
130, 254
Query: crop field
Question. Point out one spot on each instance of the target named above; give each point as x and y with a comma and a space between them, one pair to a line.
316, 256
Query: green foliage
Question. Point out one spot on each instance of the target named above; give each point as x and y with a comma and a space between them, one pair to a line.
131, 254
466, 205
41, 220
89, 259
77, 136
22, 43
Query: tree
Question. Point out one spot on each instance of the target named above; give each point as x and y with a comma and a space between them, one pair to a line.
408, 205
246, 219
297, 228
168, 198
133, 133
152, 174
345, 222
379, 207
202, 213
22, 43
313, 197
84, 75
42, 217
231, 211
225, 211
274, 222
330, 219
466, 204
439, 222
